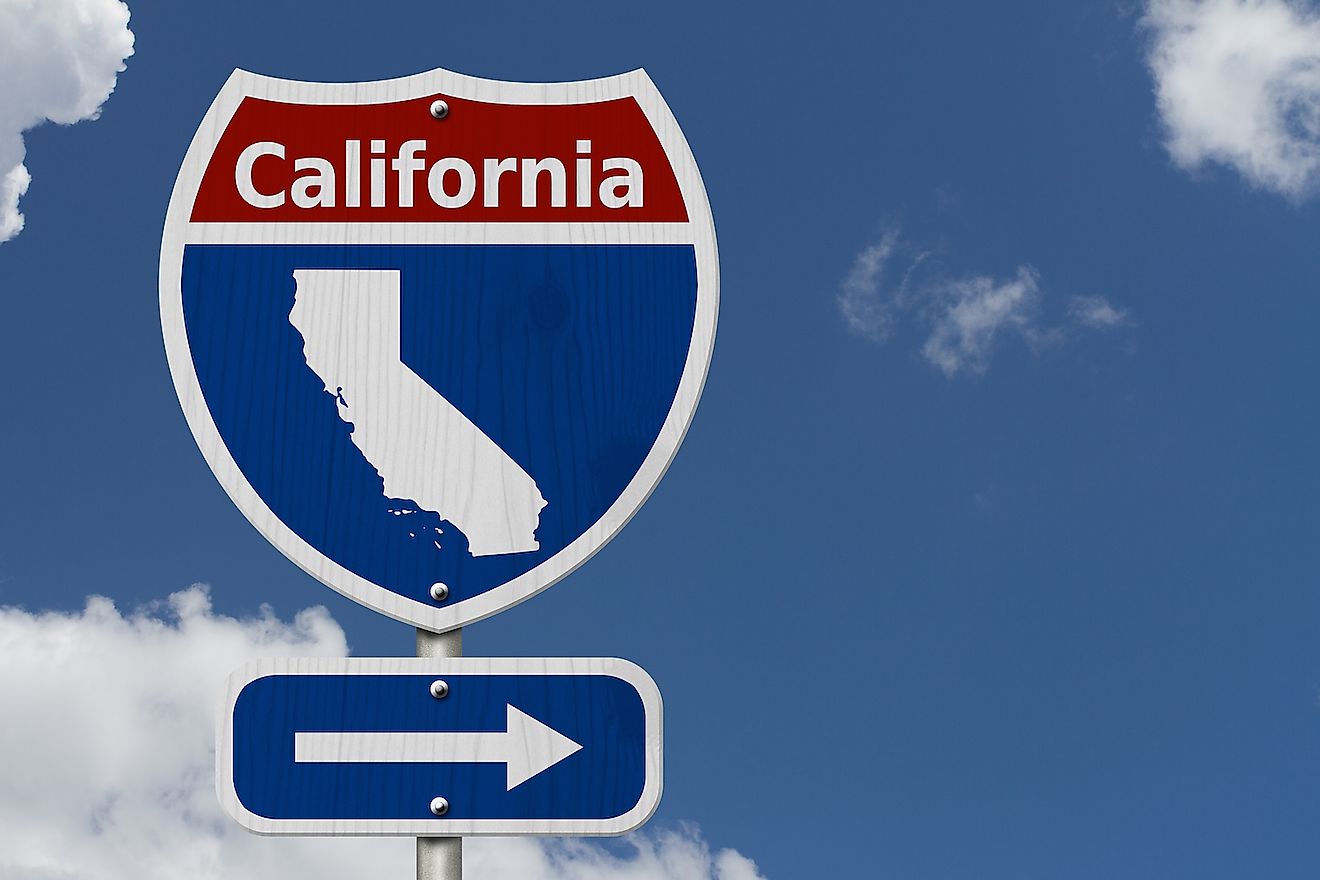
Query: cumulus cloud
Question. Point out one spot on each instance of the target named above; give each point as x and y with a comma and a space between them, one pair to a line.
672, 855
1237, 82
965, 317
58, 62
109, 736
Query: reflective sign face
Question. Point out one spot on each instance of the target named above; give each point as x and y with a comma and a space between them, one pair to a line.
438, 337
440, 747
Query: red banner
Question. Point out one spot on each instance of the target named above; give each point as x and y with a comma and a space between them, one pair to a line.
398, 163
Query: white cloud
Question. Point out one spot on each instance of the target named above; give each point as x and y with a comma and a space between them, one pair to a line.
860, 300
965, 318
1097, 313
974, 313
13, 185
869, 307
1237, 82
108, 737
673, 855
58, 62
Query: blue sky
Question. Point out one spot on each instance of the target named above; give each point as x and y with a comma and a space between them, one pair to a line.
1051, 613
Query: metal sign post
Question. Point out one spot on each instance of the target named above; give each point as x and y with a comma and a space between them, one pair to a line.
440, 858
439, 338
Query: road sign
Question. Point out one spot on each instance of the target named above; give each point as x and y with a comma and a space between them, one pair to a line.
439, 337
428, 747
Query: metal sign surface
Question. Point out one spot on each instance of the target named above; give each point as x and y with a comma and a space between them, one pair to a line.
511, 745
439, 337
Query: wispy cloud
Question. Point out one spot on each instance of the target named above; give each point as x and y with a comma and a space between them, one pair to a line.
972, 314
1097, 313
59, 60
868, 308
965, 317
1237, 82
109, 732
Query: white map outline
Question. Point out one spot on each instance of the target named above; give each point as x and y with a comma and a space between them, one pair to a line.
350, 324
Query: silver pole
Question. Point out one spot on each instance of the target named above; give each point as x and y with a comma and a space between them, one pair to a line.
440, 858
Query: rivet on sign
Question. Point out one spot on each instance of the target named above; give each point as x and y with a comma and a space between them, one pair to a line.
439, 689
439, 806
439, 108
439, 592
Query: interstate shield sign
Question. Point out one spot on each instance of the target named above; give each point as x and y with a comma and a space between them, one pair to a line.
438, 337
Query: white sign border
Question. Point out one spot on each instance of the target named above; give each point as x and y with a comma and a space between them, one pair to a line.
698, 231
634, 675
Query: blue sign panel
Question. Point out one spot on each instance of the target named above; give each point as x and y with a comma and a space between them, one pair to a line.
441, 747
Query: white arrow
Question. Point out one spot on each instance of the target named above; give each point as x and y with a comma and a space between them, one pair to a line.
526, 747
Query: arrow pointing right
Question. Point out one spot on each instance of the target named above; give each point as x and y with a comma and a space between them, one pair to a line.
526, 747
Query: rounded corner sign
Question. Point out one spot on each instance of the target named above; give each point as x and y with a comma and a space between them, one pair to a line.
516, 745
439, 337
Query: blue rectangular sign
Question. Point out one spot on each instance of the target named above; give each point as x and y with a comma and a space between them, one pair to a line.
431, 747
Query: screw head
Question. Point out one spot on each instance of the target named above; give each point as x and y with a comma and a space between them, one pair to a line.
439, 806
439, 108
439, 689
439, 592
